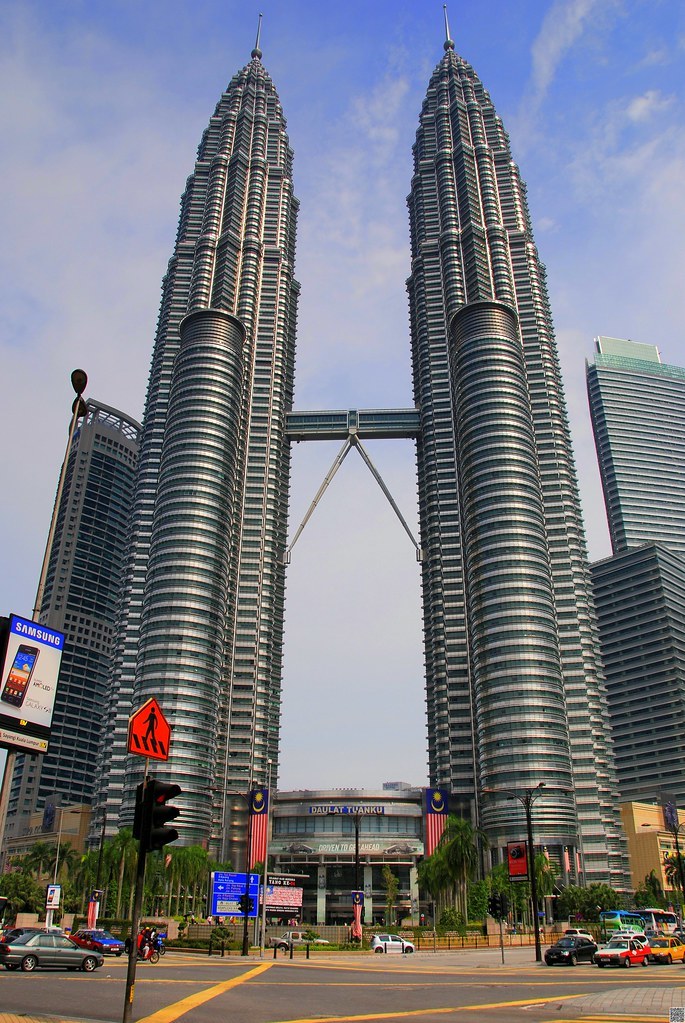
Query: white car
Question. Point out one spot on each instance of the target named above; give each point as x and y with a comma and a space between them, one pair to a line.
391, 943
574, 932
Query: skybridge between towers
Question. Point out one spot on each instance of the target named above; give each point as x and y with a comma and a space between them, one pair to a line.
350, 426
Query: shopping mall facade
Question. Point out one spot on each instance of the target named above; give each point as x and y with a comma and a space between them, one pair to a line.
339, 841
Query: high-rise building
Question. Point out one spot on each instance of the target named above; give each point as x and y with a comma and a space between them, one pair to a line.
515, 693
82, 590
637, 407
203, 617
513, 677
640, 598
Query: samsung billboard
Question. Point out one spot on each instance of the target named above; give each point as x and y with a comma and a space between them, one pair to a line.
28, 684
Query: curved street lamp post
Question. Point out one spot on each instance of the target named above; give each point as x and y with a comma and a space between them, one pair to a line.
526, 798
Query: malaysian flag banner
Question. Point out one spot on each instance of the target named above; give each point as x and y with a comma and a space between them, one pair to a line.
437, 810
357, 906
259, 825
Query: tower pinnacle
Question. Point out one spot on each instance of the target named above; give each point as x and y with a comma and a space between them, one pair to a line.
449, 42
257, 52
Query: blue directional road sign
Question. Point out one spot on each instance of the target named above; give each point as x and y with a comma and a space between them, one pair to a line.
226, 891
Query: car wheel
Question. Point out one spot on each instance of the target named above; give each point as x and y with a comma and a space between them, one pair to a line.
645, 961
669, 959
117, 954
626, 962
407, 950
601, 965
573, 961
29, 963
378, 948
89, 964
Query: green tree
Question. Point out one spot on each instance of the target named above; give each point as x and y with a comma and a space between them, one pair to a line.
459, 846
25, 893
651, 892
39, 859
391, 884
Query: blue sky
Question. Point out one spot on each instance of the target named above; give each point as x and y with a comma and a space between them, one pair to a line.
103, 108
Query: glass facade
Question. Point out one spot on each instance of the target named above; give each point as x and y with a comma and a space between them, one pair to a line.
514, 684
82, 591
637, 406
640, 597
202, 619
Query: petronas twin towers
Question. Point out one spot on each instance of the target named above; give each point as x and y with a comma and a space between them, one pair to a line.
514, 684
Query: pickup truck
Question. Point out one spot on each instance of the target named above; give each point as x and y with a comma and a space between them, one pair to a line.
294, 938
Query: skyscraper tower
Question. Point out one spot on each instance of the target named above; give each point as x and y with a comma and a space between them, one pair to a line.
515, 693
203, 621
637, 407
82, 590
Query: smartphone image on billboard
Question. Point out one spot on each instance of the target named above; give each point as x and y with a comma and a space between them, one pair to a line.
19, 675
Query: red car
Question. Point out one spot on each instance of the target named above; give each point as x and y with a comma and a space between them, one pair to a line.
623, 952
99, 941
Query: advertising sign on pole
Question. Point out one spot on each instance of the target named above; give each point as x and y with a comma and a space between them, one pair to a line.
226, 891
52, 896
518, 861
28, 684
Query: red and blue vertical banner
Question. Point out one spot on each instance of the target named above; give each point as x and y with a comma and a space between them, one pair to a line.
357, 907
259, 825
437, 811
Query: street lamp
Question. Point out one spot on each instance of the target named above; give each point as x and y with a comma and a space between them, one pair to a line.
49, 912
246, 796
526, 798
266, 860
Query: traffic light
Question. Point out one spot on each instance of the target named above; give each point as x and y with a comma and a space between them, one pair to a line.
152, 814
160, 792
498, 905
245, 904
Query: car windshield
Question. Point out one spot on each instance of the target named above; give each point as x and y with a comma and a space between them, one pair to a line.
660, 943
566, 943
618, 943
22, 939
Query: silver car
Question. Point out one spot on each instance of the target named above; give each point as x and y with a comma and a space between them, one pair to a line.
31, 951
391, 943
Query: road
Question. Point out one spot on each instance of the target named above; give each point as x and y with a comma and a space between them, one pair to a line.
464, 987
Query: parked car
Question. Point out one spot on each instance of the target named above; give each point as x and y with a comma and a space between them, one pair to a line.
31, 951
666, 949
15, 932
622, 952
575, 932
571, 950
632, 936
294, 938
99, 941
391, 943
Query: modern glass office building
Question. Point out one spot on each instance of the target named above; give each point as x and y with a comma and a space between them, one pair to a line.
514, 684
82, 591
640, 597
202, 623
514, 690
637, 407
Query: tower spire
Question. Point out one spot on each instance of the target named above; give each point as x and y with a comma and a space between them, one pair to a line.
257, 52
449, 42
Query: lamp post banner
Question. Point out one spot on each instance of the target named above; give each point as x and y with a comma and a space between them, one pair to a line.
517, 859
437, 811
259, 825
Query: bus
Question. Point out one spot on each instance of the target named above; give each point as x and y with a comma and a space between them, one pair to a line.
660, 920
622, 920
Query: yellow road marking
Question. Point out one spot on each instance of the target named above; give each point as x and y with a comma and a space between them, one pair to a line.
426, 1011
172, 1012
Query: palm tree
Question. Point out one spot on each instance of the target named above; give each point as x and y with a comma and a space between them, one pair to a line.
39, 859
459, 846
122, 856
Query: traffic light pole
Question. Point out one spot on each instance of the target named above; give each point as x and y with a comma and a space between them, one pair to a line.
135, 927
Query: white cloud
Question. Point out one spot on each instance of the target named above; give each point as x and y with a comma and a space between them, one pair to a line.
652, 102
